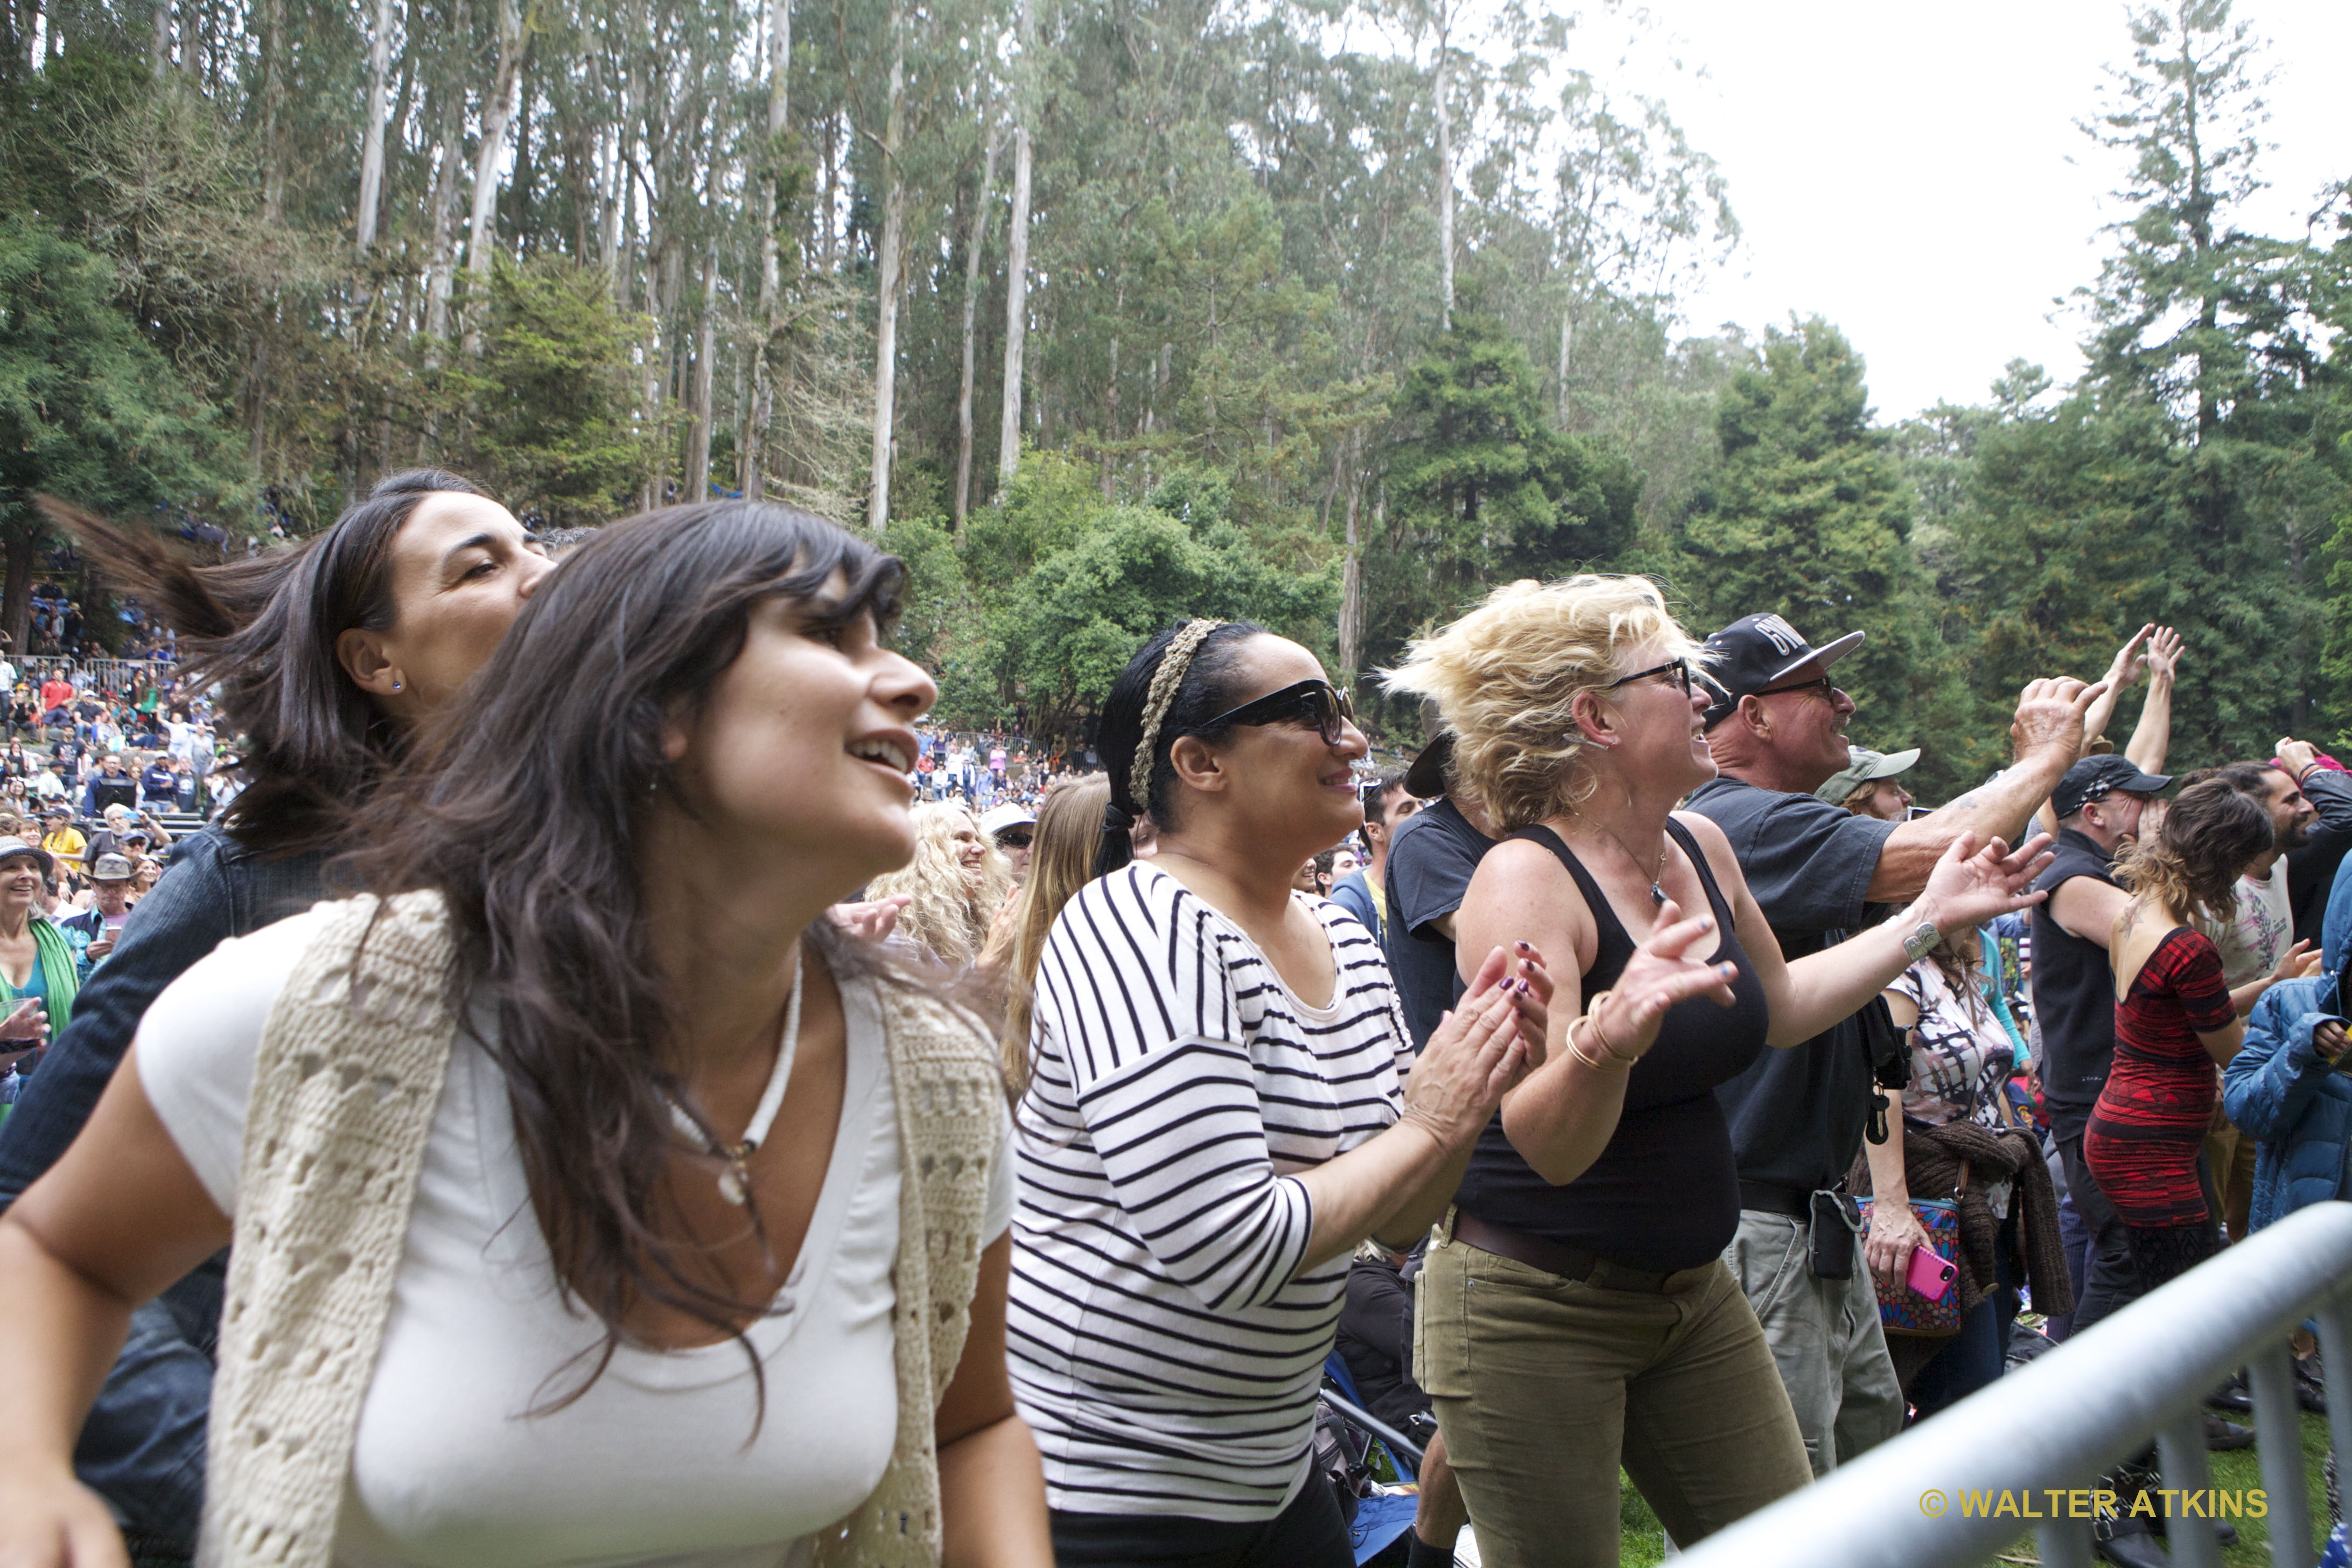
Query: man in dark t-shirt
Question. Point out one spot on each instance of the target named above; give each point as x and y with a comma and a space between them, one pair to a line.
1430, 866
1818, 872
2098, 805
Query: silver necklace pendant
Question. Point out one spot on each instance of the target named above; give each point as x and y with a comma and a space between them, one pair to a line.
1657, 895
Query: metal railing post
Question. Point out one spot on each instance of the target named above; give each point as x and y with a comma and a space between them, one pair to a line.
2335, 1361
2180, 1447
2278, 1432
2065, 1544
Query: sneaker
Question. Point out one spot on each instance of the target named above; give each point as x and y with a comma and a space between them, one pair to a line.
2232, 1395
2221, 1436
2310, 1386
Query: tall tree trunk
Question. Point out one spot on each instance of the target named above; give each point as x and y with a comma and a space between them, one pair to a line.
23, 547
977, 232
371, 145
497, 113
1016, 261
1445, 191
273, 110
1566, 335
886, 301
160, 53
1351, 571
698, 409
751, 465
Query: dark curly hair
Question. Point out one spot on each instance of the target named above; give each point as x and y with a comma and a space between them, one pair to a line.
1205, 691
2192, 866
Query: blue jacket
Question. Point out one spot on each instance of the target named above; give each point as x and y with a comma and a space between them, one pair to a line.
1353, 894
2277, 1088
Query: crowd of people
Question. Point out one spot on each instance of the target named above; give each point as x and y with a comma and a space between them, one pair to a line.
616, 1082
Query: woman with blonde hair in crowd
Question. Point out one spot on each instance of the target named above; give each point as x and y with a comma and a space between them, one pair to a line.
953, 887
1575, 1311
1061, 861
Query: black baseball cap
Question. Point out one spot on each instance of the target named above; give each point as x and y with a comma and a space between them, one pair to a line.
1756, 653
2095, 778
1425, 780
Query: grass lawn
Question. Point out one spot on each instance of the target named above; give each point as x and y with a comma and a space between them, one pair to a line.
1643, 1542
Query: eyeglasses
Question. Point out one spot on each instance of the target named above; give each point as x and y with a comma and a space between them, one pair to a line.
1314, 703
1679, 671
1820, 683
1012, 838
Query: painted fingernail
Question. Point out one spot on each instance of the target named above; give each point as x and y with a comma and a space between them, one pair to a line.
1523, 947
1728, 970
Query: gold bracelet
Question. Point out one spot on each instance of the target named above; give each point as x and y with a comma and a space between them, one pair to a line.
1592, 1017
1580, 1054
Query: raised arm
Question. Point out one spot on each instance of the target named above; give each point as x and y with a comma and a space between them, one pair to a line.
1969, 886
2153, 737
2047, 736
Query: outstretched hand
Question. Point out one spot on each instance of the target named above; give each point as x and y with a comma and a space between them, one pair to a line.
872, 919
1970, 885
1668, 969
2050, 715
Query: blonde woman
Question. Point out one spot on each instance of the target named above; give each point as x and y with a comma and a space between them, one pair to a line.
1061, 861
1575, 1311
954, 886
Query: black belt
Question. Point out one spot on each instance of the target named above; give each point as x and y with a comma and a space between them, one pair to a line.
1794, 1202
1553, 1257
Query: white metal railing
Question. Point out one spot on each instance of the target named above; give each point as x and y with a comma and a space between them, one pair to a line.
2043, 1434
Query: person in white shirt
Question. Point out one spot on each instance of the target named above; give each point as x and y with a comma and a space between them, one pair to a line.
642, 1305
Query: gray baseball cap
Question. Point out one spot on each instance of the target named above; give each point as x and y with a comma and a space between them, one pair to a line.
1864, 766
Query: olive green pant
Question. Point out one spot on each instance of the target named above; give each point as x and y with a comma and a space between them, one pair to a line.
1543, 1387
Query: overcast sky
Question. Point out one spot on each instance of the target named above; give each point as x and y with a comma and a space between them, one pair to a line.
1912, 172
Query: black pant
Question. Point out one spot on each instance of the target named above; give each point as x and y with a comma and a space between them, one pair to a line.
2109, 1281
1309, 1533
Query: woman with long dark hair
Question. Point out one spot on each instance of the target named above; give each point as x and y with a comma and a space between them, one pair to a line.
628, 1138
1214, 1118
327, 655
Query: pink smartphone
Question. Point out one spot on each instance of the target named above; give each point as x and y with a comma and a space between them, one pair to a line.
1929, 1275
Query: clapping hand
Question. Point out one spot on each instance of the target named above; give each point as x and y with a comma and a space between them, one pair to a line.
29, 1022
1970, 885
1481, 1050
2163, 657
1665, 971
2298, 962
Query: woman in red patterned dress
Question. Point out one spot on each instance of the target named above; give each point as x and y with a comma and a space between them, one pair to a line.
2174, 1023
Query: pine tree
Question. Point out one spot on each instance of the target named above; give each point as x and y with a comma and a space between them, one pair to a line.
1808, 518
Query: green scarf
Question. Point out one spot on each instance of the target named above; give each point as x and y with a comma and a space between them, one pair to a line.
58, 976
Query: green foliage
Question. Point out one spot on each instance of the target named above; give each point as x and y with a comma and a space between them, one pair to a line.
1482, 489
88, 409
557, 410
1809, 516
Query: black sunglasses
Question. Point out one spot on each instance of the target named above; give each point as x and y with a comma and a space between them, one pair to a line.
1314, 703
1820, 683
1680, 669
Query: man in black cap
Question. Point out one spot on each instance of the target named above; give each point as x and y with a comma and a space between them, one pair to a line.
1778, 732
1430, 860
2098, 805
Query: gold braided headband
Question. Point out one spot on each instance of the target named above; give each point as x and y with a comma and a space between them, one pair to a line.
1164, 682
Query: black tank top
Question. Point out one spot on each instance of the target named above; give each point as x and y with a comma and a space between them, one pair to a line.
1665, 1193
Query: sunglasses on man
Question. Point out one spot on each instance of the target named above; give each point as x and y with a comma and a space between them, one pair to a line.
1314, 704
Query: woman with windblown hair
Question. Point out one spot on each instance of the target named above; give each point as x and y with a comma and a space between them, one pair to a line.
954, 886
638, 1170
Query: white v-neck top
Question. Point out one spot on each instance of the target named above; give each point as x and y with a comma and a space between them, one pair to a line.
658, 1461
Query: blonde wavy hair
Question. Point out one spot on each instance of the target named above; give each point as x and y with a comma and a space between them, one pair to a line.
949, 913
1061, 861
1507, 676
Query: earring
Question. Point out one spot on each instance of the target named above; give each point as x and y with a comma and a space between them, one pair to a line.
395, 685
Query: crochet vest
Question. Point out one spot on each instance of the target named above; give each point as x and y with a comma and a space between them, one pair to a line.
344, 1091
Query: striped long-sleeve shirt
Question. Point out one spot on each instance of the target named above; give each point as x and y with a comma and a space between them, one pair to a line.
1165, 1344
